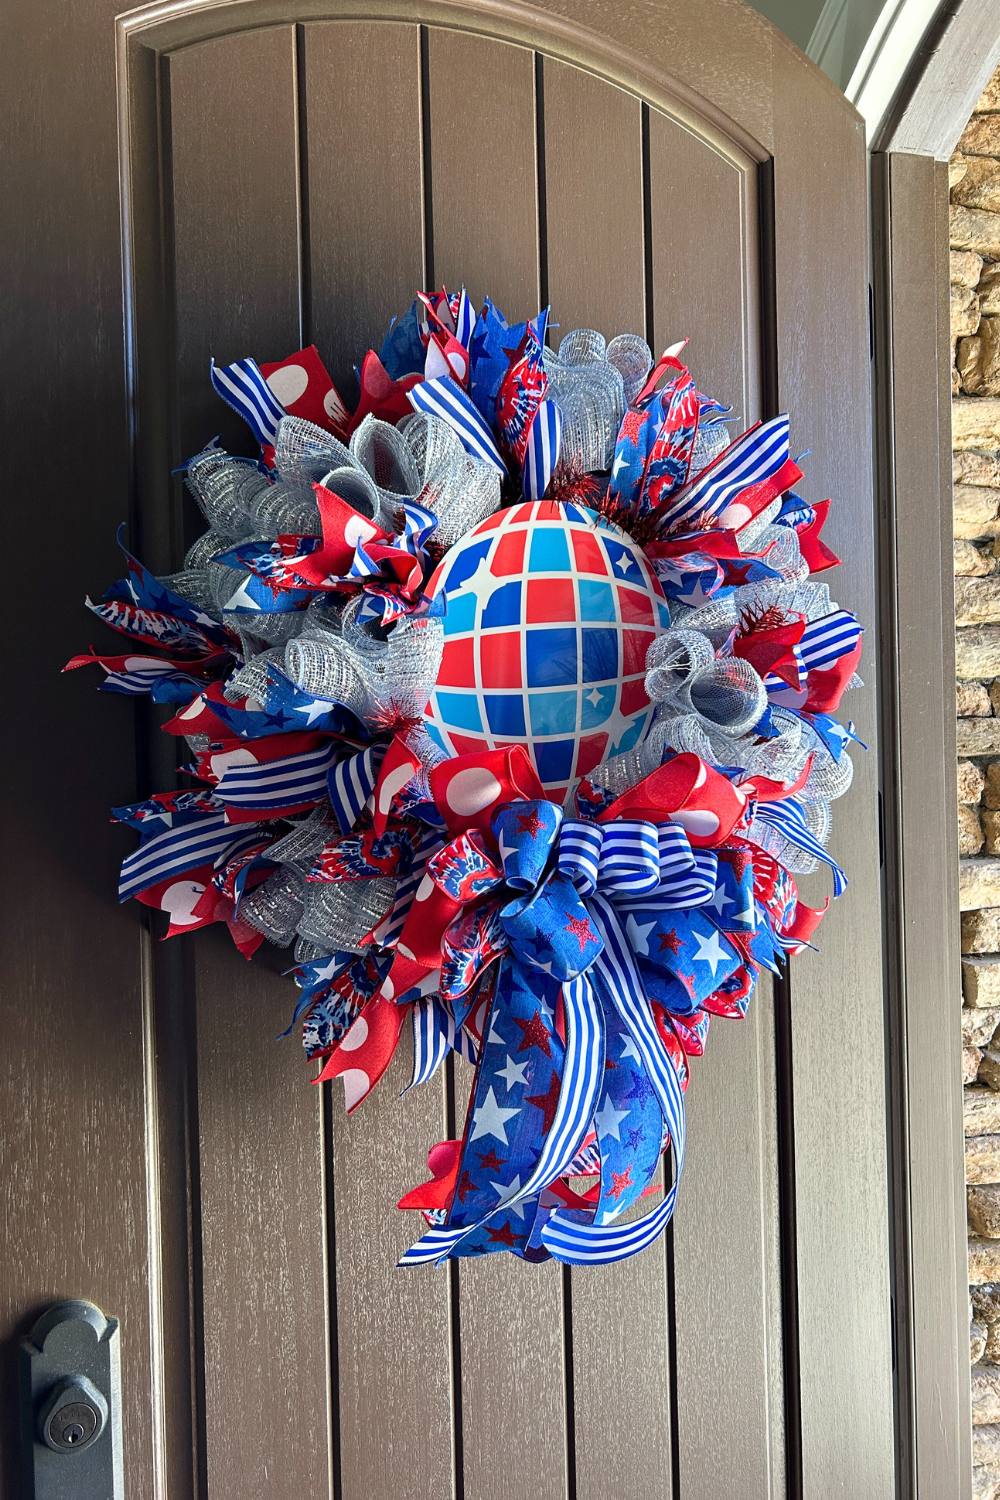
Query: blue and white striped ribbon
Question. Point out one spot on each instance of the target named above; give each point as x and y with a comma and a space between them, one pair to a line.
826, 640
579, 853
587, 1243
676, 854
386, 935
362, 566
418, 523
435, 1034
542, 453
277, 783
443, 398
583, 1070
630, 858
693, 887
351, 782
249, 836
176, 850
465, 319
138, 681
755, 457
243, 387
786, 817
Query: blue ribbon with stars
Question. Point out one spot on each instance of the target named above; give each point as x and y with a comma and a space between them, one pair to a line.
570, 1031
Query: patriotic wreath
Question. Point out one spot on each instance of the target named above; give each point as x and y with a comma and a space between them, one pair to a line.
510, 700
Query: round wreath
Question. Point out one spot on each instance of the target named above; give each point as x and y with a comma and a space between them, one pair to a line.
509, 697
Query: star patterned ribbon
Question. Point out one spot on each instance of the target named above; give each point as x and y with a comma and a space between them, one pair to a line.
623, 934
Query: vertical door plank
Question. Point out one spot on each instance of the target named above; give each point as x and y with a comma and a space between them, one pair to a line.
484, 232
704, 285
513, 1386
393, 1326
365, 249
621, 1353
593, 201
705, 263
484, 207
727, 1298
235, 202
366, 255
838, 1042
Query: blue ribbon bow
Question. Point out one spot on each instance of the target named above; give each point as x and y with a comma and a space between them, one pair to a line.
569, 1031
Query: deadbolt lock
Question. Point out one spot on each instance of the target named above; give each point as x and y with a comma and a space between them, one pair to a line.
71, 1426
72, 1416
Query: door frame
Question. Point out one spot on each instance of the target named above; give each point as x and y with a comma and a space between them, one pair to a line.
928, 1233
911, 333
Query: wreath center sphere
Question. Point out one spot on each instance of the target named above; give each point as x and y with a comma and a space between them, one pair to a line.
550, 614
506, 701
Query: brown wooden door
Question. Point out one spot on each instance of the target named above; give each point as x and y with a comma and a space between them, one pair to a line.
289, 173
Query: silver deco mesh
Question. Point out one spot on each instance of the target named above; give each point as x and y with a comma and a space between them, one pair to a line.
225, 489
302, 846
708, 704
284, 508
195, 585
590, 392
201, 551
338, 914
460, 491
708, 444
360, 490
250, 680
631, 357
381, 450
421, 459
224, 582
275, 908
323, 667
303, 950
307, 452
401, 671
273, 629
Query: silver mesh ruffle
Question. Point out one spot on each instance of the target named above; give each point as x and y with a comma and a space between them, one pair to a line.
275, 908
589, 390
340, 913
306, 840
225, 490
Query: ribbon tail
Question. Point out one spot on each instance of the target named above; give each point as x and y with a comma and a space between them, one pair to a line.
583, 1070
587, 1243
365, 1052
433, 1038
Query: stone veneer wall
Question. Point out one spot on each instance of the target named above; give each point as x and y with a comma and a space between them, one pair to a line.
975, 314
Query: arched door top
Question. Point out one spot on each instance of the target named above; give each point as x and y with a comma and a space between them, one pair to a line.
720, 79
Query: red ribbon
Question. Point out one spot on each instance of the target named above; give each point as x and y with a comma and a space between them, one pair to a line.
684, 790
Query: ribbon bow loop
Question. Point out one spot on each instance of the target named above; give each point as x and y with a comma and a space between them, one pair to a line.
629, 862
549, 929
526, 833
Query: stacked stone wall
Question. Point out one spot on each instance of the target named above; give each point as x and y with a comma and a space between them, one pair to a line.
975, 317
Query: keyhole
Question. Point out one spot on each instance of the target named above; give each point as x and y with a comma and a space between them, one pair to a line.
73, 1434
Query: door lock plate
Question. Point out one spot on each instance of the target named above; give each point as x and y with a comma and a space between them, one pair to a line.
71, 1405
